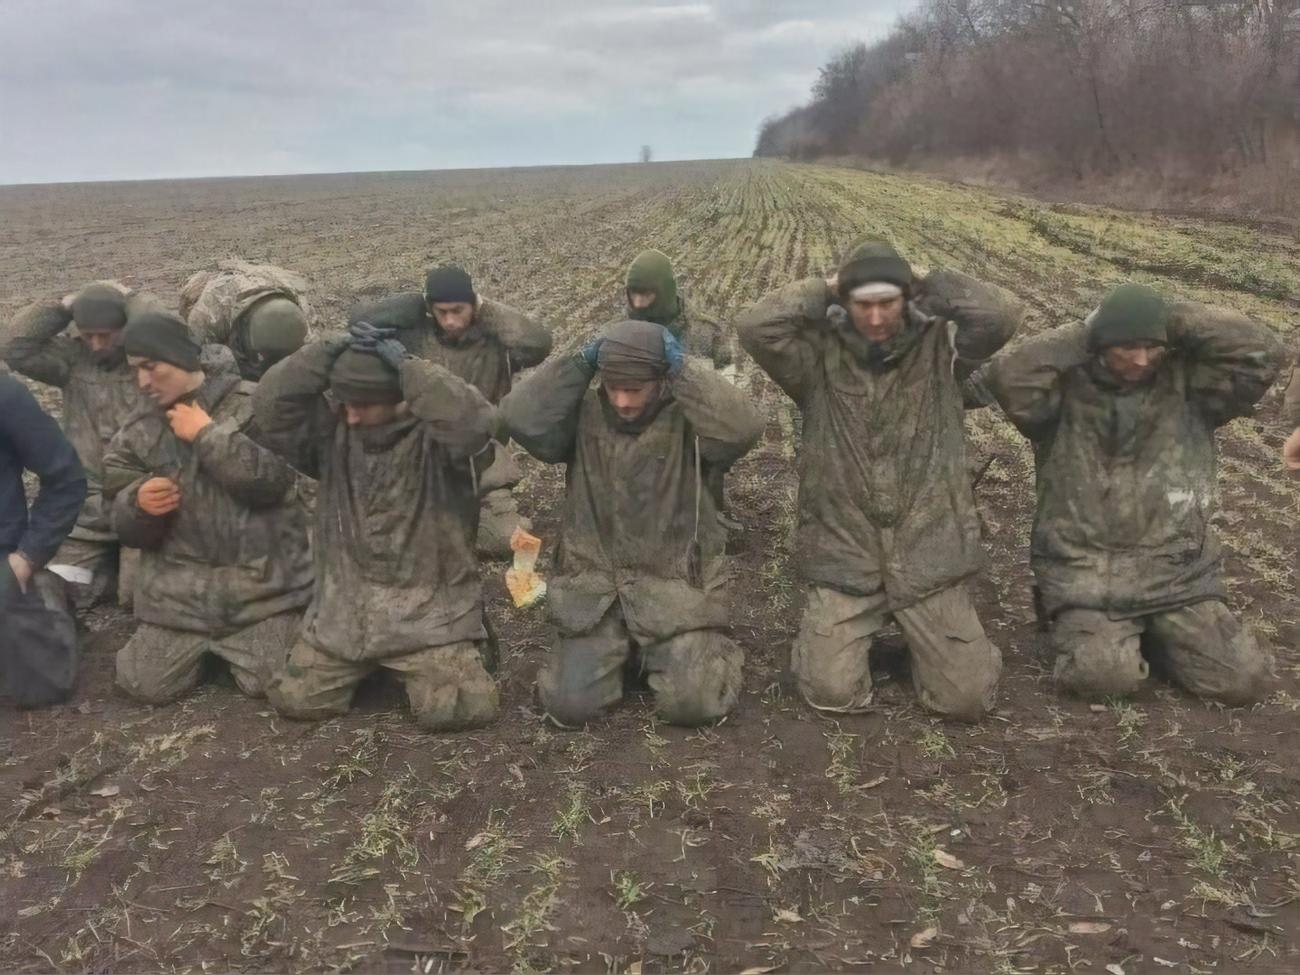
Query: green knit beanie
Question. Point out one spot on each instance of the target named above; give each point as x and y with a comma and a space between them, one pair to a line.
873, 261
1130, 313
99, 308
362, 377
276, 328
162, 337
652, 271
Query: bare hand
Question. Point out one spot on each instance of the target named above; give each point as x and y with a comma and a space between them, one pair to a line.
22, 570
188, 421
159, 496
833, 282
1291, 451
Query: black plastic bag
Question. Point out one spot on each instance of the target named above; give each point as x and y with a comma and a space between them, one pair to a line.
38, 640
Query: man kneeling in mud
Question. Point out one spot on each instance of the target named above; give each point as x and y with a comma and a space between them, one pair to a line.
1121, 410
642, 561
393, 441
224, 567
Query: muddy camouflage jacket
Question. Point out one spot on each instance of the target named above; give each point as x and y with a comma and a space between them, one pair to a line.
500, 342
213, 304
1126, 475
396, 513
98, 398
630, 510
885, 499
235, 553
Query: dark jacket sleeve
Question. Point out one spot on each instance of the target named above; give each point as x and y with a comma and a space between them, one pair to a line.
458, 416
36, 349
1233, 359
1026, 382
779, 333
527, 342
541, 413
722, 416
293, 418
251, 473
122, 459
41, 448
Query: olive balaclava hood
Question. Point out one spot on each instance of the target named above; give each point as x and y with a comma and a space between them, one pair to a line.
652, 271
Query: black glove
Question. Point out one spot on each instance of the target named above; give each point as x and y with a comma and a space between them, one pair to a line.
364, 337
390, 351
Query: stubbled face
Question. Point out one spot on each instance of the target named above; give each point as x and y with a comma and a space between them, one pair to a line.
162, 382
453, 317
631, 400
877, 320
372, 414
641, 298
101, 342
1133, 363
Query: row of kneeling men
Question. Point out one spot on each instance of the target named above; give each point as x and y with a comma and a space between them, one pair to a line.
198, 456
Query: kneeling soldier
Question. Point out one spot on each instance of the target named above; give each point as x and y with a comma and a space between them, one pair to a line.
224, 567
642, 561
1122, 411
393, 442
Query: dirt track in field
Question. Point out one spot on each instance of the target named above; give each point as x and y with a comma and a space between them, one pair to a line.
1155, 835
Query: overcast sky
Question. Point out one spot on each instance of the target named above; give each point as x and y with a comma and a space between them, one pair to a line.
134, 89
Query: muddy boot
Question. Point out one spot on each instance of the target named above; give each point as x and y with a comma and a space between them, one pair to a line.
498, 518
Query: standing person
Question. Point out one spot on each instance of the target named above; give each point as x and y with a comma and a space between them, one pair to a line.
1122, 411
99, 395
642, 566
30, 440
38, 640
259, 311
485, 343
392, 446
887, 521
224, 566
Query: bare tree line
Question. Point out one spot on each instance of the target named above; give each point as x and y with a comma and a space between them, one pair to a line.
1084, 87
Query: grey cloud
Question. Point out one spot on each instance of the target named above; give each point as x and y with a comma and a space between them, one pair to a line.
92, 89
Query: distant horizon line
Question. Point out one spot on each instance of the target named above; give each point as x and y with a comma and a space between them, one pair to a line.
359, 172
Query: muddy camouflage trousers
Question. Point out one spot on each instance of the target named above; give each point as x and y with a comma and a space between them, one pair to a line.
159, 664
448, 687
955, 668
695, 676
1201, 647
97, 572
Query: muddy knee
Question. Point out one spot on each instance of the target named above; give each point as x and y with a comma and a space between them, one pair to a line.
147, 674
832, 683
1099, 674
567, 704
457, 693
700, 682
292, 697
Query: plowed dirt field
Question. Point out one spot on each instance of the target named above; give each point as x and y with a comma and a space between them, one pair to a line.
1142, 836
